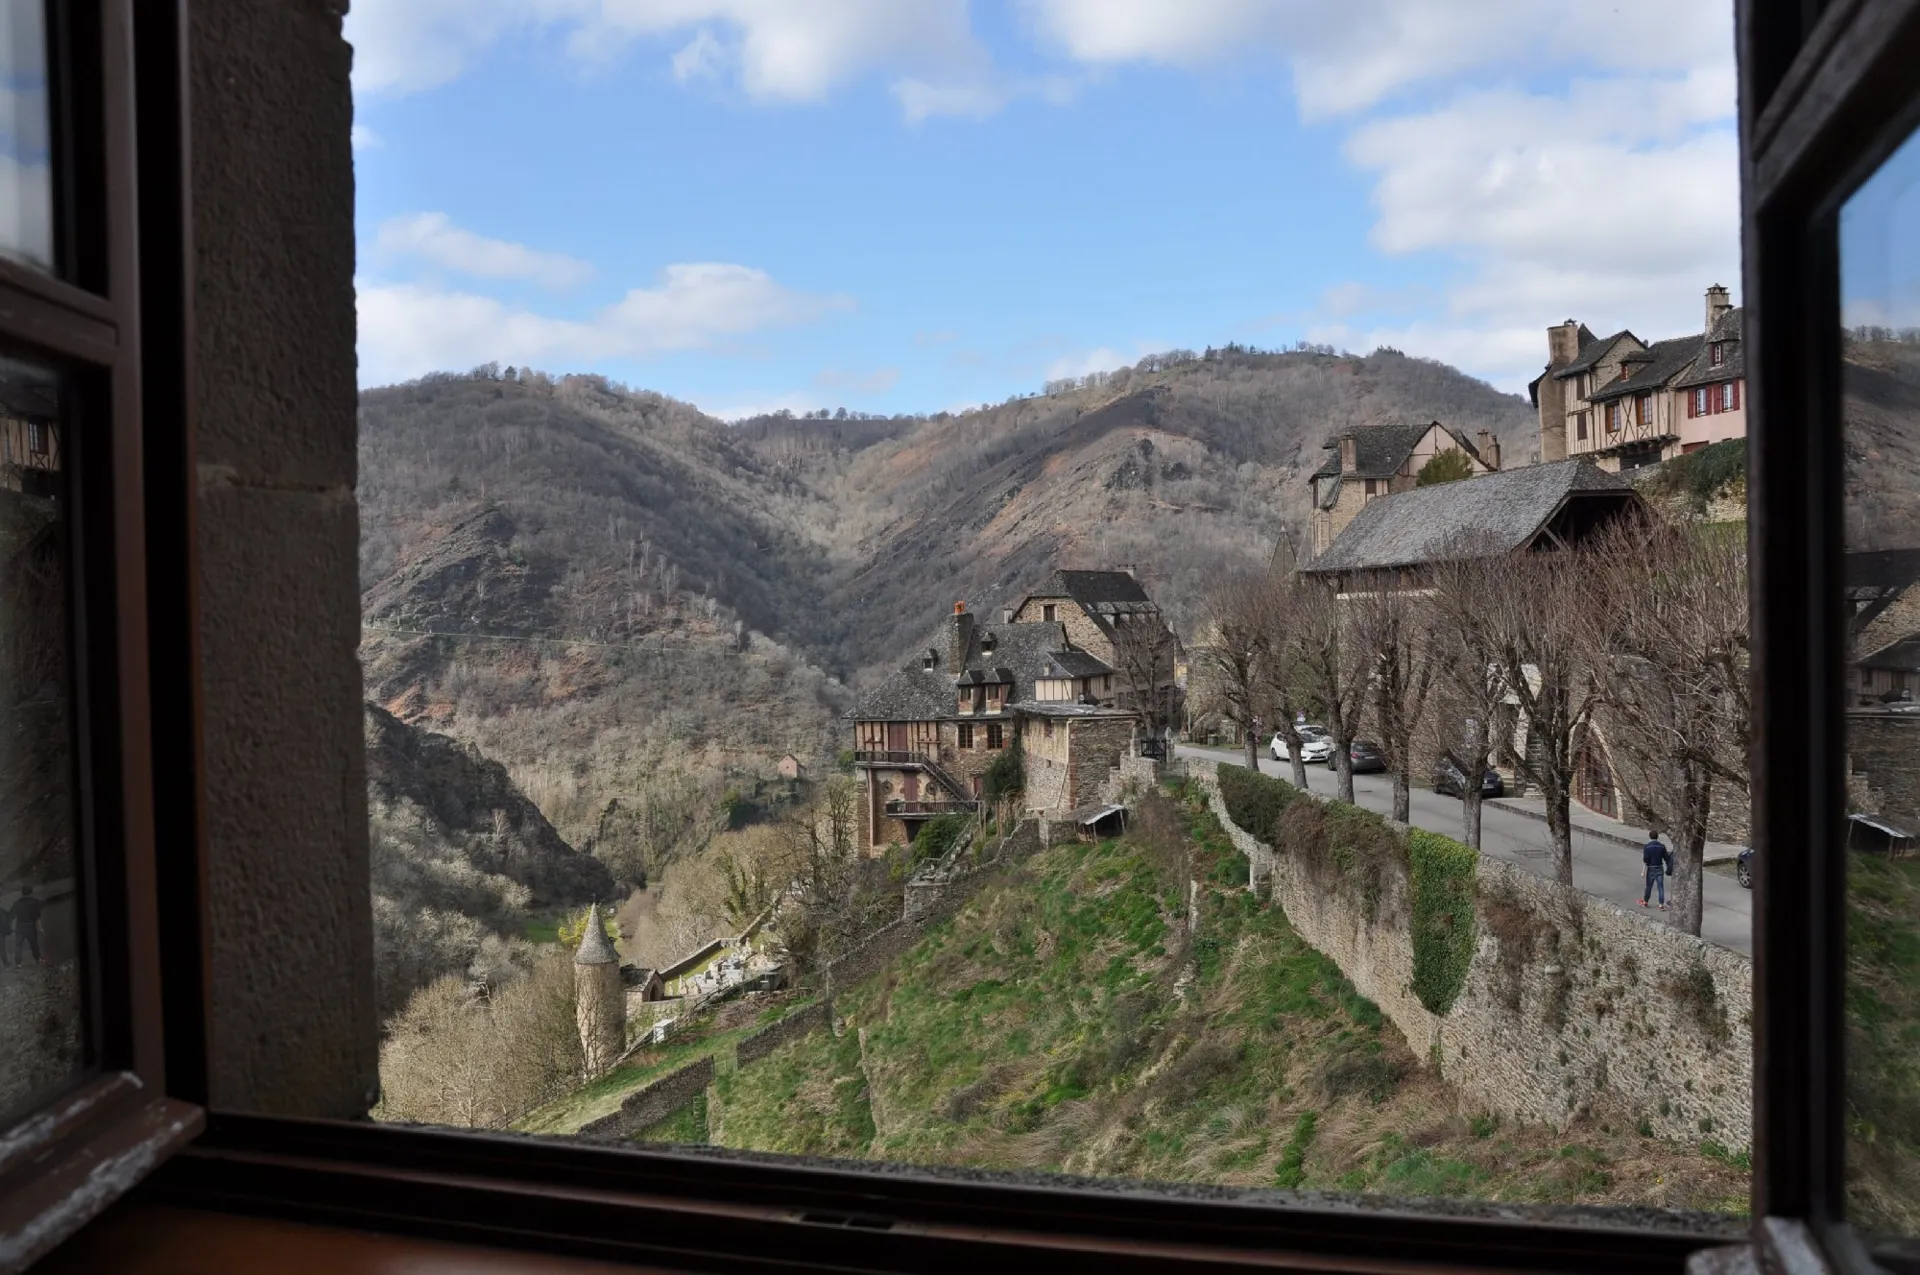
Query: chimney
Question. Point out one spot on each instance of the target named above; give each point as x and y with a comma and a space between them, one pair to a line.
1490, 449
1563, 344
1347, 462
1718, 303
959, 638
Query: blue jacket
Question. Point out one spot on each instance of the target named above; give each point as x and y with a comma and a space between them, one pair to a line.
1654, 853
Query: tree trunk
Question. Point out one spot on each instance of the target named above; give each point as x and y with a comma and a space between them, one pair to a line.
1690, 854
1402, 795
1560, 832
1470, 814
1253, 752
1299, 769
1343, 772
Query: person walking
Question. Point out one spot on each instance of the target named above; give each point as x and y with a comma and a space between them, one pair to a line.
26, 928
1659, 861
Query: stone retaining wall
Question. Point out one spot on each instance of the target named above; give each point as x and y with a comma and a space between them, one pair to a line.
650, 1104
1571, 1004
792, 1027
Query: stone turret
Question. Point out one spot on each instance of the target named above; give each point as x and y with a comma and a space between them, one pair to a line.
601, 1008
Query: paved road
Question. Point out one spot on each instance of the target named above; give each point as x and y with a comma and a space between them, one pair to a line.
1601, 867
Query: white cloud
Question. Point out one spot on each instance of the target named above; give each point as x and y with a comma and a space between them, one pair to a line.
364, 138
978, 97
403, 46
704, 58
432, 237
1100, 360
409, 329
798, 404
842, 381
1350, 54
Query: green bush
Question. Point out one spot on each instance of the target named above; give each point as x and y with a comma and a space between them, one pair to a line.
1699, 476
1446, 467
940, 835
1444, 929
1254, 801
1007, 776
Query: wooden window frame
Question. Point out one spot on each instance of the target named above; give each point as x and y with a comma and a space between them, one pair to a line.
123, 431
1826, 94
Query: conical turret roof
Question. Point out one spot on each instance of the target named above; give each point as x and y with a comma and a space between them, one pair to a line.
594, 946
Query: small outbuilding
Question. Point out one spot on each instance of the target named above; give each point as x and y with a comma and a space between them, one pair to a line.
790, 768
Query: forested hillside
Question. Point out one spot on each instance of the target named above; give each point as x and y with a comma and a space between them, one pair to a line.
637, 608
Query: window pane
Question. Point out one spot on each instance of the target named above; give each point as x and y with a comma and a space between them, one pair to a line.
26, 173
598, 619
39, 970
1880, 277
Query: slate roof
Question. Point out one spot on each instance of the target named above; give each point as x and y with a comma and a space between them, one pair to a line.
1504, 511
1902, 654
1652, 368
1378, 450
1066, 708
594, 948
1727, 328
1075, 663
1592, 350
1021, 653
1091, 587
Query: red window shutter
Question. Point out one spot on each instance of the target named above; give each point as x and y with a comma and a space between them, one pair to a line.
1691, 397
1736, 395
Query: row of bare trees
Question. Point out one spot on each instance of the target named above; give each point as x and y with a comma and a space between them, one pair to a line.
1635, 637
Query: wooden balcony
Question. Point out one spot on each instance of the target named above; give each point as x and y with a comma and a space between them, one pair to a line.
903, 809
892, 757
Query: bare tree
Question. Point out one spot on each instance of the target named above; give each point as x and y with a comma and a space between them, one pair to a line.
1469, 689
837, 895
1147, 652
1389, 624
1535, 620
1670, 651
1329, 671
1231, 659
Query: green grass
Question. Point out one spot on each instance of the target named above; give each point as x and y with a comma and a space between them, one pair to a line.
687, 1126
603, 1095
1883, 1043
807, 1098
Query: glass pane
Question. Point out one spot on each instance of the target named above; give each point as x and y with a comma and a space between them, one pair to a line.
902, 718
40, 1019
26, 170
1880, 308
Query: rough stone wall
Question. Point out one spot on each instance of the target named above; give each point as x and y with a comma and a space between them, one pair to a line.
1045, 761
278, 542
1096, 748
792, 1027
1081, 629
1570, 1005
650, 1104
1882, 749
1133, 775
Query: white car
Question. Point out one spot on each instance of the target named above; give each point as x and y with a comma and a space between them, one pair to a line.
1314, 745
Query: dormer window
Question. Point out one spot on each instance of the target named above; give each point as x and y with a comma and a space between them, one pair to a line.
1717, 353
1047, 613
986, 644
930, 660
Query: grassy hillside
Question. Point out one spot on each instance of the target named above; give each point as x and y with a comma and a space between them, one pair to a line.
1066, 1019
1883, 1043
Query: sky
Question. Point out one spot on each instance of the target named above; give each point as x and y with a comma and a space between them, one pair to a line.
923, 205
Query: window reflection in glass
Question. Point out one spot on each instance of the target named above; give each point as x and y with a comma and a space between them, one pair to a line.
1880, 276
26, 186
39, 968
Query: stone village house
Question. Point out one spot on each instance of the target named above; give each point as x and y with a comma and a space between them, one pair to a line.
1052, 675
1372, 461
1625, 403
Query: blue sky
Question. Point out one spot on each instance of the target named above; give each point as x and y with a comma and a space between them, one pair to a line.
909, 205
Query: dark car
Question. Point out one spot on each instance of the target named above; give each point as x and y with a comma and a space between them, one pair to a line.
1743, 867
1448, 780
1365, 755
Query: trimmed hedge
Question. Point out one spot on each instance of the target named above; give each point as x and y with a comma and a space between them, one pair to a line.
1445, 930
1255, 801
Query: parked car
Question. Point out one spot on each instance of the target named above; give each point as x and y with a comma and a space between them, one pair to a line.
1314, 745
1743, 867
1366, 757
1448, 780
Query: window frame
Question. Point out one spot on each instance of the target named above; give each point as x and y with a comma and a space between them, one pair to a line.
1824, 98
122, 427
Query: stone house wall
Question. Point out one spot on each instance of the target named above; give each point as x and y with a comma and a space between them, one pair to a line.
1571, 1005
1081, 628
1882, 777
1097, 747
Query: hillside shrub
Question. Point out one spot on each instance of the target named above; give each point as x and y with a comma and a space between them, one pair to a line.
1698, 477
1445, 467
1254, 801
1343, 847
940, 835
1444, 930
1007, 776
